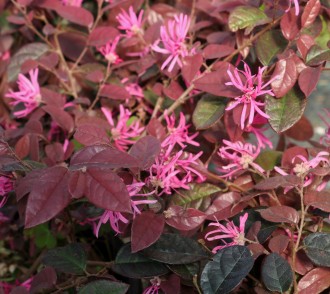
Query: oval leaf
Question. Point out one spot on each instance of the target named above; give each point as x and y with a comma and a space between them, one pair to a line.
308, 79
317, 248
317, 199
316, 281
280, 214
104, 286
310, 12
276, 273
227, 269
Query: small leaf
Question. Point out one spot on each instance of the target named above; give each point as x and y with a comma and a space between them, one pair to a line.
308, 79
276, 273
302, 124
104, 286
246, 17
146, 230
316, 56
285, 112
289, 25
310, 13
135, 265
77, 15
115, 92
269, 45
227, 269
175, 249
280, 214
69, 259
101, 35
208, 111
315, 281
191, 66
45, 279
213, 51
61, 117
317, 248
268, 159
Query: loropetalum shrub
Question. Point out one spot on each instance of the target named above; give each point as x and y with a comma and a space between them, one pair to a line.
162, 148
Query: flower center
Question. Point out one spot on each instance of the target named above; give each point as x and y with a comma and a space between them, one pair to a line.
301, 169
240, 240
245, 160
115, 134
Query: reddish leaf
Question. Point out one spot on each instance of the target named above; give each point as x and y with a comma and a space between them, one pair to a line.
146, 150
304, 43
102, 35
62, 118
48, 197
52, 98
213, 51
303, 264
296, 133
85, 154
173, 91
289, 25
257, 250
317, 199
91, 135
280, 214
77, 15
22, 147
214, 82
278, 181
114, 92
286, 74
279, 243
290, 153
316, 281
184, 219
55, 152
171, 285
107, 190
147, 227
311, 11
45, 279
156, 129
317, 56
191, 66
76, 184
24, 2
309, 78
49, 60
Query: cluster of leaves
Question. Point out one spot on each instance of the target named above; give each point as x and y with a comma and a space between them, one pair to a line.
67, 164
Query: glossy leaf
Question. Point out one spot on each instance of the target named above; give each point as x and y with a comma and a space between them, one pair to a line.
304, 43
104, 286
276, 273
246, 17
70, 259
175, 249
308, 79
146, 230
226, 270
280, 214
269, 45
289, 25
317, 199
317, 56
208, 111
285, 112
310, 12
317, 248
278, 243
315, 281
135, 265
185, 271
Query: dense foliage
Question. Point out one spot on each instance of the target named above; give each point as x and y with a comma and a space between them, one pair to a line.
162, 147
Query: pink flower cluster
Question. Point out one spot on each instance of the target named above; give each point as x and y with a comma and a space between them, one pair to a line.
125, 130
229, 231
154, 288
130, 22
28, 94
6, 185
109, 51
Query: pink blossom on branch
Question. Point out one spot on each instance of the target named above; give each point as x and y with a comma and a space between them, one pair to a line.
251, 87
240, 157
154, 288
28, 94
124, 131
173, 37
130, 22
229, 231
109, 51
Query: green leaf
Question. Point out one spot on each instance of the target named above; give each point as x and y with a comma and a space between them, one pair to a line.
186, 271
175, 249
316, 56
268, 159
208, 111
135, 265
317, 247
286, 111
30, 51
246, 17
195, 193
43, 236
276, 273
270, 44
104, 286
68, 259
227, 269
323, 38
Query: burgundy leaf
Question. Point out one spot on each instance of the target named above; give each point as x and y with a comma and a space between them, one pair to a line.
317, 199
147, 227
76, 184
316, 281
22, 147
173, 91
191, 66
310, 13
146, 150
114, 92
55, 152
48, 197
278, 181
49, 60
91, 135
304, 43
86, 154
213, 51
295, 131
45, 279
278, 243
184, 219
24, 186
290, 25
52, 98
280, 214
286, 73
172, 285
308, 79
105, 189
62, 118
102, 35
317, 55
156, 129
290, 153
77, 15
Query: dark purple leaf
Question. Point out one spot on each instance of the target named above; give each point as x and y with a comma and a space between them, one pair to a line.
102, 35
62, 118
280, 214
91, 135
45, 279
77, 15
278, 181
114, 92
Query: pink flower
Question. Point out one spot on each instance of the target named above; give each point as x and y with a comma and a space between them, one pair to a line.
154, 288
133, 88
109, 51
124, 131
130, 22
76, 3
230, 231
6, 185
116, 217
178, 134
296, 6
7, 288
302, 169
240, 157
258, 131
250, 92
28, 94
173, 37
